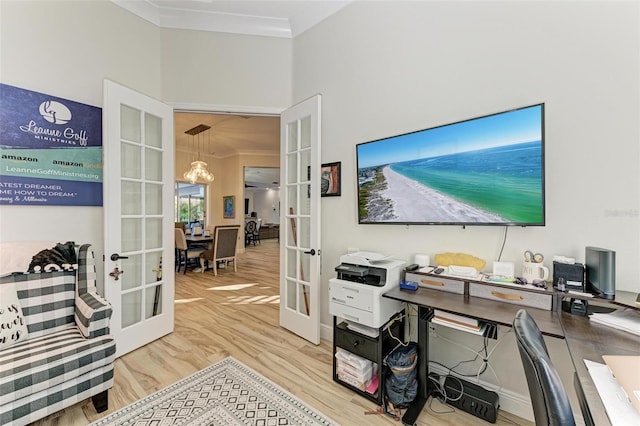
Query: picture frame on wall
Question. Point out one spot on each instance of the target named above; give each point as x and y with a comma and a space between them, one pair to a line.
229, 207
330, 179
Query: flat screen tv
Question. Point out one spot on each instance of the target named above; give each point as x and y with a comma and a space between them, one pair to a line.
487, 170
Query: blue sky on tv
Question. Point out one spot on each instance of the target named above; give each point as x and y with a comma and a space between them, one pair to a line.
506, 128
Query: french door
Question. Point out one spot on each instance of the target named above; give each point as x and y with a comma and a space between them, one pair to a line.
300, 219
138, 216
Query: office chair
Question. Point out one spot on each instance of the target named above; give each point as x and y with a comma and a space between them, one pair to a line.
548, 397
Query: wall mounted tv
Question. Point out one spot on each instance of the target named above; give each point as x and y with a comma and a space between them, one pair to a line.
487, 170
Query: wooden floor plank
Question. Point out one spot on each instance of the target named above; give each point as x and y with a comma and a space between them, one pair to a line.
237, 314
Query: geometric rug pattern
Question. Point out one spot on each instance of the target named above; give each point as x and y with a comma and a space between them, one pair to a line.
225, 393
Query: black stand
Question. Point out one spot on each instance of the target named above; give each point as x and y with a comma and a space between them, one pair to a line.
424, 389
374, 349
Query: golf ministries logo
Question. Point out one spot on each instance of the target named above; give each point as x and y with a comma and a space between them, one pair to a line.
55, 112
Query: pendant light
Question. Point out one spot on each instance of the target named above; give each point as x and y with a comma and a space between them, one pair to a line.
198, 169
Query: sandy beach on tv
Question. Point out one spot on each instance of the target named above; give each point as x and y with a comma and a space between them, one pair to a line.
415, 202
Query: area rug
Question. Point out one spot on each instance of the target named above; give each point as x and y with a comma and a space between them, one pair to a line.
225, 393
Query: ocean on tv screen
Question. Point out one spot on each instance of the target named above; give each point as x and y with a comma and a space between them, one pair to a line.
492, 185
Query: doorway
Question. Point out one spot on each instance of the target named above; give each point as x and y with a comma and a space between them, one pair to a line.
305, 130
233, 143
262, 200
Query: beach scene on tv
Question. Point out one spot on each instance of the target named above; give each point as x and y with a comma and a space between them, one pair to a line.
487, 170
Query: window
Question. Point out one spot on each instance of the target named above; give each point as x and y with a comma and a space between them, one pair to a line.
190, 203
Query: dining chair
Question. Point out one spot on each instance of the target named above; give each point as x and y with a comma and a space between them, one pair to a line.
225, 240
549, 400
184, 253
249, 232
256, 233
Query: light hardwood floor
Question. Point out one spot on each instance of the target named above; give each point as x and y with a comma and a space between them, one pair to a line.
237, 314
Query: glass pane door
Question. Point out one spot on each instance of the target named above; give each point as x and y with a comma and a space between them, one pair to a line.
138, 203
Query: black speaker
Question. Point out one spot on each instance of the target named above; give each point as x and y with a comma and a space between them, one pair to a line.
601, 271
573, 275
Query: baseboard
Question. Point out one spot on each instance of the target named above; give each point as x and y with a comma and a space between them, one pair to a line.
326, 332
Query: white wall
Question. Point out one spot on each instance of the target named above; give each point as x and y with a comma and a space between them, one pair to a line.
386, 68
223, 69
256, 200
265, 202
67, 48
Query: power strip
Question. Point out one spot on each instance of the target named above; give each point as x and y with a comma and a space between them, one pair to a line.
475, 399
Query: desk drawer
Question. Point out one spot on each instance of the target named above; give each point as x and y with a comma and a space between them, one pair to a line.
356, 343
514, 296
437, 283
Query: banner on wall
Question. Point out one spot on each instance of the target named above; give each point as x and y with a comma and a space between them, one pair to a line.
50, 150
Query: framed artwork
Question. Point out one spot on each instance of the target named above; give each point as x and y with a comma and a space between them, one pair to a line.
229, 207
330, 180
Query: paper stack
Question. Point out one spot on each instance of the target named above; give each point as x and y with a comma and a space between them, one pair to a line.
615, 400
458, 322
363, 329
357, 371
628, 321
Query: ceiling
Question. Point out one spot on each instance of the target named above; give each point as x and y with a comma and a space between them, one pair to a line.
229, 134
262, 177
286, 19
232, 135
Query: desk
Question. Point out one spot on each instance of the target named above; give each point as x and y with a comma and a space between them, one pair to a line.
587, 340
478, 308
583, 338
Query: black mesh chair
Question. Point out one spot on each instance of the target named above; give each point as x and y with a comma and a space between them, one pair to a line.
549, 400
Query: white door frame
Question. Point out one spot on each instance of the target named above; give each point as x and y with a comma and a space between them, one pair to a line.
325, 330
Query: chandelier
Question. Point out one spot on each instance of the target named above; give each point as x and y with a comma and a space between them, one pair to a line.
198, 169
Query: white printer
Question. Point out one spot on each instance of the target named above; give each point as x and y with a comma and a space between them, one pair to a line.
356, 293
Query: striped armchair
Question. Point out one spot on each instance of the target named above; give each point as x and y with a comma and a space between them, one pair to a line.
69, 353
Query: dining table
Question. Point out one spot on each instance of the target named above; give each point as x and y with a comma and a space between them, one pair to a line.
199, 240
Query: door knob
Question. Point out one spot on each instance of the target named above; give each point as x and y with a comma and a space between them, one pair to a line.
311, 252
116, 256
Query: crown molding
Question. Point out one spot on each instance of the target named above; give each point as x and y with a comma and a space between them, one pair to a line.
143, 9
295, 19
225, 23
225, 109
